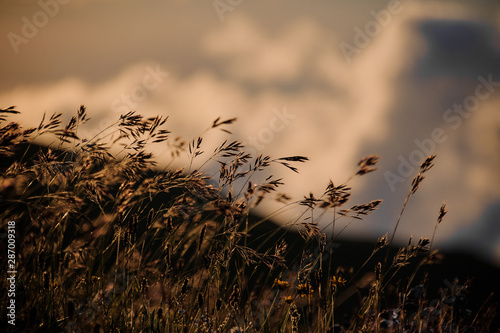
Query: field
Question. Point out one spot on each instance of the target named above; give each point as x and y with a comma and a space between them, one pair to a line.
110, 242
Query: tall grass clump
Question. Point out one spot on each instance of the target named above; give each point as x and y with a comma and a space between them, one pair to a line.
108, 242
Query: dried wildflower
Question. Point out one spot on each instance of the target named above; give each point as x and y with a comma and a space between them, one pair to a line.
229, 149
401, 258
271, 260
218, 123
223, 172
382, 242
338, 281
415, 183
299, 159
336, 195
224, 207
281, 284
309, 201
194, 148
305, 290
270, 185
9, 110
442, 213
366, 164
283, 197
424, 167
427, 164
67, 190
366, 208
309, 230
422, 246
280, 249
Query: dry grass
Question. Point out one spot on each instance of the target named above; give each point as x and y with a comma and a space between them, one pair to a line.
105, 243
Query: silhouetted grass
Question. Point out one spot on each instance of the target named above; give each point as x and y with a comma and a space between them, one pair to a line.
105, 242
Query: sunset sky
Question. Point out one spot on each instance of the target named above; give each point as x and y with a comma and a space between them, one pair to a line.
330, 80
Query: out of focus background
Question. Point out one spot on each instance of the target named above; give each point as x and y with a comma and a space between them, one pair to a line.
331, 80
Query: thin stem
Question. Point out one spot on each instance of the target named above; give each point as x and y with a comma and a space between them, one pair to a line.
396, 227
433, 234
399, 218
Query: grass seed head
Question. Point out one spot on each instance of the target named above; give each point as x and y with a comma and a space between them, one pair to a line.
366, 164
442, 213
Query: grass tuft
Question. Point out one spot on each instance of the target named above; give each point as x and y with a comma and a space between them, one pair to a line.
105, 242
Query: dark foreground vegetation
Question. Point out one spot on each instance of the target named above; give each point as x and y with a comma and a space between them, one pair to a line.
107, 242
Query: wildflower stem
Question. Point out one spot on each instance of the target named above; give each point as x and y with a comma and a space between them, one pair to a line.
396, 227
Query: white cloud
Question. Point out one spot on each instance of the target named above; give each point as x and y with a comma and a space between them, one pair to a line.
251, 54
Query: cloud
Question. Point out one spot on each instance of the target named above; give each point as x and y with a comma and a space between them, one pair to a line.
466, 166
339, 111
253, 54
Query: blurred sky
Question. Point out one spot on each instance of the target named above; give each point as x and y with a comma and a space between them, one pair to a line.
331, 80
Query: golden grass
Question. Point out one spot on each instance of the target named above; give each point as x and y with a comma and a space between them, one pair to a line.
107, 244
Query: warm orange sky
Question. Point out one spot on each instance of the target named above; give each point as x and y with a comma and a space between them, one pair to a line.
331, 80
